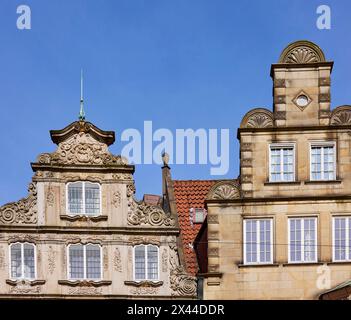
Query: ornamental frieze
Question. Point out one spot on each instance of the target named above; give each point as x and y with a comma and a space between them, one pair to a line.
22, 212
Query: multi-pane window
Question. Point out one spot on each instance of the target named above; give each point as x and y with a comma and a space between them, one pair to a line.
84, 261
342, 239
323, 162
281, 163
258, 241
22, 262
303, 240
146, 262
83, 198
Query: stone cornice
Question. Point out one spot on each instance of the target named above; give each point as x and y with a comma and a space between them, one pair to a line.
84, 283
145, 283
34, 282
83, 218
274, 66
109, 168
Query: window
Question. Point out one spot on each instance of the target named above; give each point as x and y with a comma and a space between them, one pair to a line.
83, 198
198, 215
282, 163
146, 262
303, 240
84, 261
323, 162
258, 241
342, 239
22, 263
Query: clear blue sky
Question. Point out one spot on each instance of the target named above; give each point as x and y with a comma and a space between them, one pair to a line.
180, 63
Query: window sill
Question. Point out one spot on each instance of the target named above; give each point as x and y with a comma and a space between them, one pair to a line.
242, 265
83, 218
144, 283
339, 262
84, 283
337, 181
292, 183
294, 264
16, 282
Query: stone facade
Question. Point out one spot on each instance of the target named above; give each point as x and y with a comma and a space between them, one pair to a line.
42, 219
301, 117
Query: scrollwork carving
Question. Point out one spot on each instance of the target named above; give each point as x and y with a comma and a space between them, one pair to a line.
22, 212
117, 261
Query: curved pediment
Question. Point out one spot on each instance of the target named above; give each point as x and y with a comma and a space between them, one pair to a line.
224, 190
341, 116
300, 52
258, 118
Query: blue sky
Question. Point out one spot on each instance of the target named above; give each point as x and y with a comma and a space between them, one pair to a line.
181, 64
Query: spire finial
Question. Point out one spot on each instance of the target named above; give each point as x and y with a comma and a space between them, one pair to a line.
81, 112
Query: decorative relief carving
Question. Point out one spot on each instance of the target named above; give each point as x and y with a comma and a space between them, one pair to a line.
324, 82
50, 198
81, 148
246, 162
279, 99
86, 291
212, 218
22, 212
134, 241
341, 116
117, 261
224, 190
164, 260
247, 178
258, 118
105, 258
301, 55
213, 252
180, 282
324, 97
140, 213
23, 238
51, 260
246, 147
143, 291
2, 258
122, 176
116, 199
25, 289
279, 83
280, 115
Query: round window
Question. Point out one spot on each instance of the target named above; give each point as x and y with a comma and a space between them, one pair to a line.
302, 101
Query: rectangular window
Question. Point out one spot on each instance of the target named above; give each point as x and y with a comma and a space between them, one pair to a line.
198, 215
258, 241
84, 261
282, 163
146, 262
22, 261
323, 162
303, 240
83, 198
342, 239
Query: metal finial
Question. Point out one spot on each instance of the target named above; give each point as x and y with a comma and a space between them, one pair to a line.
81, 112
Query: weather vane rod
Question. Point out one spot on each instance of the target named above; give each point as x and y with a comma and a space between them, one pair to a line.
81, 112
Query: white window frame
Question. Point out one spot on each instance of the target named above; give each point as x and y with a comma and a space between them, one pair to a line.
277, 146
83, 198
84, 262
193, 215
259, 241
22, 261
303, 240
347, 239
323, 144
146, 263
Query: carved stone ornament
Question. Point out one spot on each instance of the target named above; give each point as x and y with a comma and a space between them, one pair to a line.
23, 238
2, 258
116, 199
85, 291
224, 190
164, 260
341, 116
25, 286
81, 149
117, 261
258, 118
51, 260
140, 213
50, 198
139, 291
300, 52
181, 283
22, 212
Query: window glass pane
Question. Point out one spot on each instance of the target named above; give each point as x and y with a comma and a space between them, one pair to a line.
76, 261
295, 240
322, 162
340, 239
349, 248
251, 241
309, 239
16, 261
282, 164
29, 262
265, 240
92, 198
75, 197
152, 262
93, 261
139, 262
199, 215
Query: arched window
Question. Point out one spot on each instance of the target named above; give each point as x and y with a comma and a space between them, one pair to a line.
22, 261
83, 198
146, 262
84, 262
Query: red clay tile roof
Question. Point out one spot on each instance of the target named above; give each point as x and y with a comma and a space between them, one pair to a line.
190, 194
